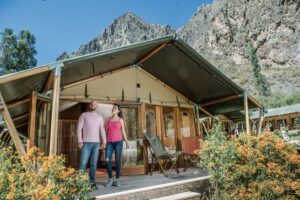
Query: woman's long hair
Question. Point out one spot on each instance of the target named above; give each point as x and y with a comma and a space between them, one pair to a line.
120, 113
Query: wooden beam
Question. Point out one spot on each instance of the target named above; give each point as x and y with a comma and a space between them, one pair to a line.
152, 53
142, 109
206, 112
2, 134
5, 137
43, 97
23, 74
221, 100
32, 120
19, 125
255, 102
260, 125
192, 122
20, 116
177, 123
94, 77
204, 127
12, 129
158, 122
18, 102
247, 114
47, 128
211, 122
49, 82
55, 112
261, 119
198, 121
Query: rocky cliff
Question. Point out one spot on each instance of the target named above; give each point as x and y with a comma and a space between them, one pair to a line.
126, 29
221, 32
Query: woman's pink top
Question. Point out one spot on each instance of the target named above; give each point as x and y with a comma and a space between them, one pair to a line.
114, 131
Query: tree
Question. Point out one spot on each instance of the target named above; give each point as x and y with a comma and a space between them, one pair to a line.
260, 81
17, 52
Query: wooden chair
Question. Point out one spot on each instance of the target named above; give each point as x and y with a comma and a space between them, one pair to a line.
189, 147
159, 153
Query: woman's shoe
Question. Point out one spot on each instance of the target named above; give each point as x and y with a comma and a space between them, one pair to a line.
94, 186
117, 182
109, 182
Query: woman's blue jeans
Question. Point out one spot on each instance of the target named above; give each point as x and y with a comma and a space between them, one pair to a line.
110, 147
89, 150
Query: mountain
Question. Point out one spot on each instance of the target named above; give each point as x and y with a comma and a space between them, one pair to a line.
127, 29
221, 32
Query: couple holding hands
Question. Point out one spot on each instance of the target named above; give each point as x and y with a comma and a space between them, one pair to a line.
89, 125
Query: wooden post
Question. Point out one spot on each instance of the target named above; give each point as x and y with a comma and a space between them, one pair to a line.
12, 129
158, 121
47, 128
247, 114
261, 115
32, 121
198, 133
43, 123
192, 121
178, 133
55, 110
144, 129
211, 122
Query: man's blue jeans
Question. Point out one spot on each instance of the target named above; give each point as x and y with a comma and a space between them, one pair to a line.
110, 147
89, 150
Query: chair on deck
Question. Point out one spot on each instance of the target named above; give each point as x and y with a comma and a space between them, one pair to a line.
189, 147
159, 153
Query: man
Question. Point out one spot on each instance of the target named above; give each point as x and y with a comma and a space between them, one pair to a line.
88, 127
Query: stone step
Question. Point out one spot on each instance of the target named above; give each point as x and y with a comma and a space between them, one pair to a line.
160, 190
181, 196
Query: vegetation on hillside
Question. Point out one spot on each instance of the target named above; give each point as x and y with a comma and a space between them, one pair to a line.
278, 99
260, 81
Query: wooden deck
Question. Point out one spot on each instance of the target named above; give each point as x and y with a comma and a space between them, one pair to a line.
134, 183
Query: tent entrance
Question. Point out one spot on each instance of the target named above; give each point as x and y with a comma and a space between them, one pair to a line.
132, 157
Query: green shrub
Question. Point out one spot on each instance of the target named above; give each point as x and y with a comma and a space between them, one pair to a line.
39, 177
251, 167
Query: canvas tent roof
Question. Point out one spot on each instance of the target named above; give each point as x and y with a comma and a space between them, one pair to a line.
278, 111
174, 63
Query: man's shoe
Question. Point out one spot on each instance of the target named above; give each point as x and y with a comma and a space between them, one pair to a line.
94, 186
117, 182
109, 182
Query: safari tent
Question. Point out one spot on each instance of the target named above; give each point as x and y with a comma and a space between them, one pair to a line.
163, 86
284, 116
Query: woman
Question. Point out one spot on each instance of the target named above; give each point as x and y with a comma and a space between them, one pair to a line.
115, 134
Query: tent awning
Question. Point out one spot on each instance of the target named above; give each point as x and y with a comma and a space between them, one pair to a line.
169, 59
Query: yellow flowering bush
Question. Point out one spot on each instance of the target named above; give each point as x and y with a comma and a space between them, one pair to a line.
251, 167
39, 177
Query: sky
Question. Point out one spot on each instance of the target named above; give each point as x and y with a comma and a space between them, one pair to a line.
64, 25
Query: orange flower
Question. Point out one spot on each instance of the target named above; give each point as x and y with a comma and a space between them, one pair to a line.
56, 197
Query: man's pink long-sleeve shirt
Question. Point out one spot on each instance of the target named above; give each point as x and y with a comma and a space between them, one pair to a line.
88, 127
